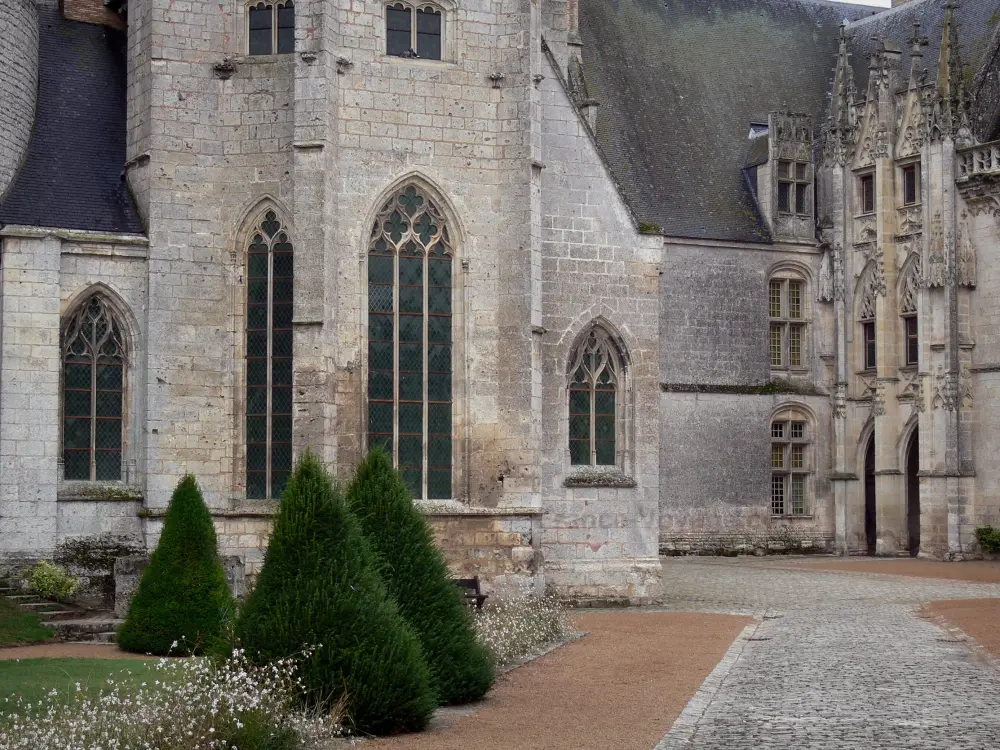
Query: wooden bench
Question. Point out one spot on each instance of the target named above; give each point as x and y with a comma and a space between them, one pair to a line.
472, 593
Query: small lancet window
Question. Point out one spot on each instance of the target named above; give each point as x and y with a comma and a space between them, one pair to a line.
268, 360
595, 382
867, 319
413, 31
94, 356
908, 311
271, 28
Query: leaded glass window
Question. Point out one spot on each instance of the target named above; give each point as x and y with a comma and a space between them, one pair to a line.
790, 443
268, 360
94, 354
413, 31
410, 341
595, 381
786, 331
271, 28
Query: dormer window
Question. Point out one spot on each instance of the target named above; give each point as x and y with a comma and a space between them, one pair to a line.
414, 31
271, 28
793, 187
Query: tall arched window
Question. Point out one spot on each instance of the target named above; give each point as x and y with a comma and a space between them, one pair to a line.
594, 406
268, 359
94, 357
908, 311
788, 311
410, 341
866, 317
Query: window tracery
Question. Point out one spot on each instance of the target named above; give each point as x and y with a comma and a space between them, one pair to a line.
94, 360
791, 464
596, 373
410, 398
271, 27
268, 375
414, 30
866, 317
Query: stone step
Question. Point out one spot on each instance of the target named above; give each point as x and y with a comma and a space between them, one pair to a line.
84, 629
60, 614
23, 597
37, 604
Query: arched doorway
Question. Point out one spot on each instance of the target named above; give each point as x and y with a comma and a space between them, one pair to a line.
913, 494
870, 529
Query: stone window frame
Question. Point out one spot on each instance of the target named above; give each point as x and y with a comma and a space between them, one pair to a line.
800, 186
861, 179
867, 318
449, 25
909, 297
460, 320
132, 359
617, 348
783, 277
902, 168
242, 237
274, 5
792, 461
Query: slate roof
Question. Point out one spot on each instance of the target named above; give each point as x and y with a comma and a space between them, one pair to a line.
680, 81
976, 21
71, 177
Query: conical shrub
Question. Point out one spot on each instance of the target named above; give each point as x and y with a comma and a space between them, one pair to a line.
416, 575
182, 597
320, 586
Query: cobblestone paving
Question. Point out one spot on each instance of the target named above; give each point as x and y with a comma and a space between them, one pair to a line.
836, 660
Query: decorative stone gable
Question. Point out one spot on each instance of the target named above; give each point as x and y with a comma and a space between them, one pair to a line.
790, 170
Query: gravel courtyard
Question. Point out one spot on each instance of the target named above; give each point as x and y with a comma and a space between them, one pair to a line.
837, 659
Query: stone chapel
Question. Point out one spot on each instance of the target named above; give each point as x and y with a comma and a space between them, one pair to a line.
610, 279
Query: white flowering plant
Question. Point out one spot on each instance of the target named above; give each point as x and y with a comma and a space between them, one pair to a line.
518, 626
186, 704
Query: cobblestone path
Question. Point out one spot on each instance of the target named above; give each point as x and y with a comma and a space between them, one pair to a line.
836, 660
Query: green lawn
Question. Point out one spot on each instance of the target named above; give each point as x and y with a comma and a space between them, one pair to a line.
19, 625
33, 678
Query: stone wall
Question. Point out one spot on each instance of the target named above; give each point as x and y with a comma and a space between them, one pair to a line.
18, 84
600, 535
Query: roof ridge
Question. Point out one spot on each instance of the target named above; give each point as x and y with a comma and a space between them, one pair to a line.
885, 12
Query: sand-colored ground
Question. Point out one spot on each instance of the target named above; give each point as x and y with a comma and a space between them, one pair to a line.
68, 651
979, 618
622, 686
975, 571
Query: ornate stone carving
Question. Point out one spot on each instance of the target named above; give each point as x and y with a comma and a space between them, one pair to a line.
911, 284
839, 399
964, 387
878, 399
838, 273
864, 230
875, 261
912, 390
826, 276
910, 221
946, 392
937, 264
966, 255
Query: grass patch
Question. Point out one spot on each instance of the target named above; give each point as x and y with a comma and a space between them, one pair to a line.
19, 626
32, 679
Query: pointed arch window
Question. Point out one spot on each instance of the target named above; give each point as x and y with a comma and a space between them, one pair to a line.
595, 384
268, 359
94, 359
866, 317
410, 341
908, 311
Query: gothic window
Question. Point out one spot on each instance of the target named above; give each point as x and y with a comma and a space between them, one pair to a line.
910, 178
271, 28
867, 319
908, 311
790, 464
595, 385
268, 360
413, 31
410, 341
793, 187
787, 312
866, 192
94, 357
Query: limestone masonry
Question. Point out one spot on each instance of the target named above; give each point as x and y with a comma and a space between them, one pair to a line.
608, 280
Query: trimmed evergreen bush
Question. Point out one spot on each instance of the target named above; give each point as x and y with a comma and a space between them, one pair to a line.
182, 596
320, 586
416, 575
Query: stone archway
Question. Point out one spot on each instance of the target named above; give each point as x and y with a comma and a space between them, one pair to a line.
913, 493
871, 531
